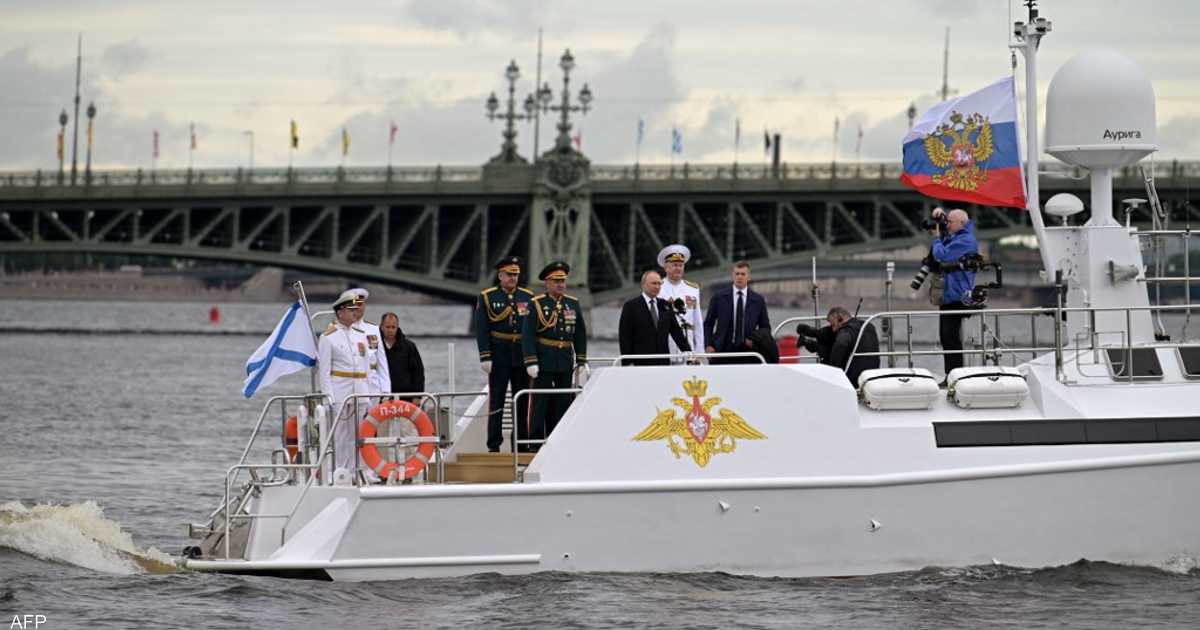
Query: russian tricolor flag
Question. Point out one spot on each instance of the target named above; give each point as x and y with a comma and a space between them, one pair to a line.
967, 149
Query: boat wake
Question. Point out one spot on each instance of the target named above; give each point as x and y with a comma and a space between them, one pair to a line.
77, 534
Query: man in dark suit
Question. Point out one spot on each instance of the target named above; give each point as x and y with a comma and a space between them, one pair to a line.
733, 314
647, 321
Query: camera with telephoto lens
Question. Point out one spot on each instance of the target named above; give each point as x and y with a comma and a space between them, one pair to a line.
928, 264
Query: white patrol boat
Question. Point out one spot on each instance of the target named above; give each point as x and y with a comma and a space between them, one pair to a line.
1091, 449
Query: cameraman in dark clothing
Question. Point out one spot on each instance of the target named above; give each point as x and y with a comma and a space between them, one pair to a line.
404, 360
834, 343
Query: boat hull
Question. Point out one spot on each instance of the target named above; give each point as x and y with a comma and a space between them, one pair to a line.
1138, 509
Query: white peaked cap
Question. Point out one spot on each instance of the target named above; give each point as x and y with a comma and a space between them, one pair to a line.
669, 250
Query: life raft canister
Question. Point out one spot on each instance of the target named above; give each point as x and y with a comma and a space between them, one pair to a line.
291, 438
391, 410
789, 350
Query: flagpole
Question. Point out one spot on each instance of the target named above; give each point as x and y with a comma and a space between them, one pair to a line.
299, 287
391, 138
537, 111
737, 141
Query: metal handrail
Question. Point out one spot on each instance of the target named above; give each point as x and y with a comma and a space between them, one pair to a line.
601, 172
254, 436
516, 441
690, 355
1056, 312
330, 451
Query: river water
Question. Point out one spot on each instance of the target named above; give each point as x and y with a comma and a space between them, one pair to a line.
118, 420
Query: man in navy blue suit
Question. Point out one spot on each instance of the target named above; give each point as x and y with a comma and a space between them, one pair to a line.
733, 314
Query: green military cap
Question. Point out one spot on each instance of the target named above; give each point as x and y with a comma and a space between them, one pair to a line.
510, 264
556, 270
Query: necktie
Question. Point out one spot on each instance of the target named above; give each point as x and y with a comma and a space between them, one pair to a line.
739, 313
653, 312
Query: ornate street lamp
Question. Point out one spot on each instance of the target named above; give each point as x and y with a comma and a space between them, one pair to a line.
508, 150
546, 97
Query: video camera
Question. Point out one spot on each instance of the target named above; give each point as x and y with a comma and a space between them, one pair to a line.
807, 336
973, 263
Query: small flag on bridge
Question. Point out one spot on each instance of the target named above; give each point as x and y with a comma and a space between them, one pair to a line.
60, 146
766, 142
192, 129
676, 141
392, 134
156, 144
290, 348
295, 135
345, 142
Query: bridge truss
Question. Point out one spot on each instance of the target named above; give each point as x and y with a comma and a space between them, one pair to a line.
438, 230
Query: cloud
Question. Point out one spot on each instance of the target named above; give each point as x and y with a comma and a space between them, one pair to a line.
1179, 137
31, 120
124, 58
31, 115
468, 18
650, 87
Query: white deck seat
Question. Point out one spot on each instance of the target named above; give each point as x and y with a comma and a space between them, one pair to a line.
898, 388
987, 387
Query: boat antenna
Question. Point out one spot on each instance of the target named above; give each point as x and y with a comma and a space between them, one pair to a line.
858, 308
1028, 38
946, 67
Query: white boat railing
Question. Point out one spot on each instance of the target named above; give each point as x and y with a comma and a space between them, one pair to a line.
1058, 349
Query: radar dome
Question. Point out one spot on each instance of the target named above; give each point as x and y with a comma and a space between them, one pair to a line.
1100, 111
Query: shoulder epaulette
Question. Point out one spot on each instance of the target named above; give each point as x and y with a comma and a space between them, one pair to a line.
488, 290
691, 284
370, 322
525, 290
358, 330
330, 330
538, 297
571, 297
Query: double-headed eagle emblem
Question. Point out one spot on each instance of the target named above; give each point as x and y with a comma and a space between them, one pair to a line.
697, 432
952, 147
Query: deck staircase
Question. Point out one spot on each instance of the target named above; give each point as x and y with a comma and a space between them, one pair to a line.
482, 468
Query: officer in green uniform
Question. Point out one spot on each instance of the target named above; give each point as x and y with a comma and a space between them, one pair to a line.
554, 341
499, 313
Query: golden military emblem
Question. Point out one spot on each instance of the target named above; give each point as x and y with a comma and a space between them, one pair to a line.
952, 147
697, 433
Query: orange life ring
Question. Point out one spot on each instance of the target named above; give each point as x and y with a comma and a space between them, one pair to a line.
390, 410
291, 438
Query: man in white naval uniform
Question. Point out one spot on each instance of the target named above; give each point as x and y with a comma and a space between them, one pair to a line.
343, 364
672, 259
380, 377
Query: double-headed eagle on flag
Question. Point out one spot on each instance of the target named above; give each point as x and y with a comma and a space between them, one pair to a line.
951, 147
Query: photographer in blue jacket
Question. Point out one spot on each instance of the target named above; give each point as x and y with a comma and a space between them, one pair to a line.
954, 237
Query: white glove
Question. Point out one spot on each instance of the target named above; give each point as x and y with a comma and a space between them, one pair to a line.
486, 366
532, 371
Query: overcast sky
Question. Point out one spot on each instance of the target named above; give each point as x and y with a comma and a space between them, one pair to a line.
791, 66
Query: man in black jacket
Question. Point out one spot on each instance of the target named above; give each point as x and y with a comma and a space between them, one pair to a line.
646, 321
834, 343
404, 360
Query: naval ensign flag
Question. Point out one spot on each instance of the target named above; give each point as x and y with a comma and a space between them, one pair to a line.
290, 348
